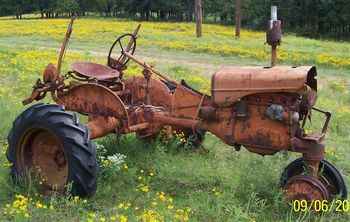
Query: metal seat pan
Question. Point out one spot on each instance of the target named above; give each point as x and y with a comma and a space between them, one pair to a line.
94, 70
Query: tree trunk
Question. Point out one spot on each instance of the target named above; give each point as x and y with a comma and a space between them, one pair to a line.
199, 17
147, 15
18, 13
238, 15
162, 15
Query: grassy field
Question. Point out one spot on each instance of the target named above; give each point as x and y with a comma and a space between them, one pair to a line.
157, 182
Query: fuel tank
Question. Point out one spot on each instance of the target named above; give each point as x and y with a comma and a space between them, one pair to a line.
231, 83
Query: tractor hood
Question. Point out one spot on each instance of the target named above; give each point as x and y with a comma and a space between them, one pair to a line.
231, 83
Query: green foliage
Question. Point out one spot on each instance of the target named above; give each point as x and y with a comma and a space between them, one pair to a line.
308, 17
69, 6
109, 162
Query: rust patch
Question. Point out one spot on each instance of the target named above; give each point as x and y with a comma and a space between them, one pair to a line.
43, 153
305, 188
95, 71
159, 94
256, 130
95, 100
100, 126
232, 83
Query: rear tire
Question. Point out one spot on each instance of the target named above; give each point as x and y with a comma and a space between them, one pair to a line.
51, 143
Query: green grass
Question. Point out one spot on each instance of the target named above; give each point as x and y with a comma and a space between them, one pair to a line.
221, 185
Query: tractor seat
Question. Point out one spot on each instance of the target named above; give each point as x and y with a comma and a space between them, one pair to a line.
94, 70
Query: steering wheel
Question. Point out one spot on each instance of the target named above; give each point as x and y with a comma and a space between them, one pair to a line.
126, 43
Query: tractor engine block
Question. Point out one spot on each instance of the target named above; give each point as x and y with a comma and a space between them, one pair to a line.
265, 123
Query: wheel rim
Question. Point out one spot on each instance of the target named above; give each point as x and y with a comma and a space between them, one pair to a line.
42, 154
305, 188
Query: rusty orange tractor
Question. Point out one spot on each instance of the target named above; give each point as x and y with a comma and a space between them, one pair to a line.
263, 109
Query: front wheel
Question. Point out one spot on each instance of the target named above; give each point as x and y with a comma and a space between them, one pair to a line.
329, 179
50, 144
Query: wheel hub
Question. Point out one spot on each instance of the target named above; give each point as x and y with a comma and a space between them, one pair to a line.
43, 153
305, 188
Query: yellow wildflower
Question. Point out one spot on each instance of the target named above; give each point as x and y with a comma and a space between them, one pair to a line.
123, 218
125, 166
38, 205
144, 189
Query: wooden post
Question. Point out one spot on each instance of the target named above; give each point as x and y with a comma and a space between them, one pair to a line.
238, 15
199, 17
273, 55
